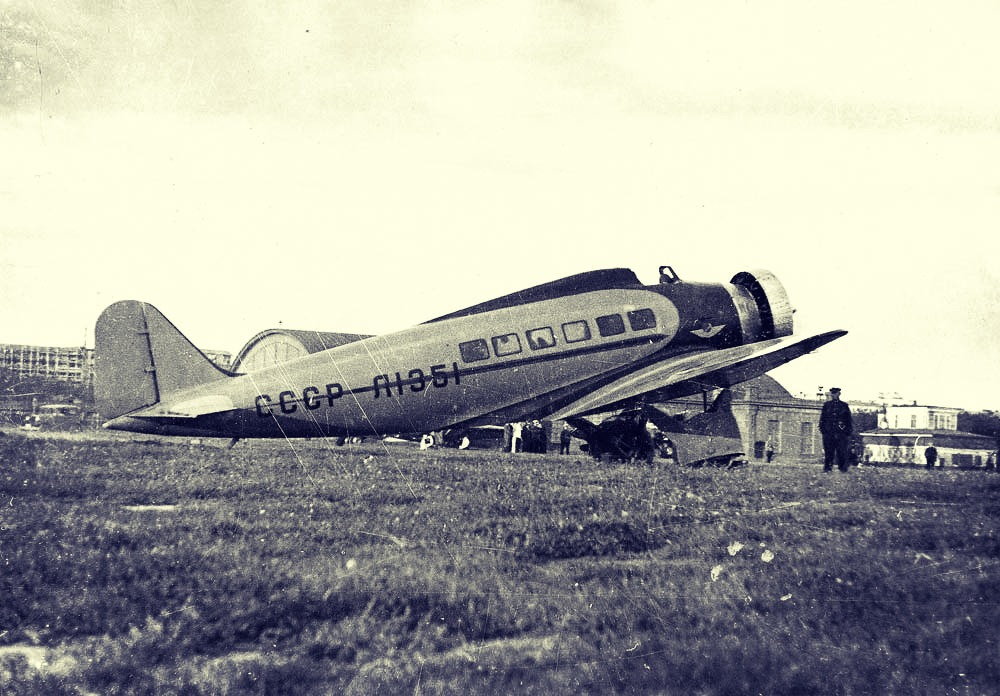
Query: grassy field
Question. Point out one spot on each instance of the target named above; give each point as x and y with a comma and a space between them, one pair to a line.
297, 567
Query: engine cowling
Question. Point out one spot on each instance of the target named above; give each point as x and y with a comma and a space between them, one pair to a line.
763, 305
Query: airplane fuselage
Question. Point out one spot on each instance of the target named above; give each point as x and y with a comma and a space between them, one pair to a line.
457, 370
573, 347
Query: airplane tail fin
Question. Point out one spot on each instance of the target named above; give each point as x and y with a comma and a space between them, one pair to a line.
140, 357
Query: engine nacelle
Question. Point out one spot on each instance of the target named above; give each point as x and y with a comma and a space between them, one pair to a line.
763, 305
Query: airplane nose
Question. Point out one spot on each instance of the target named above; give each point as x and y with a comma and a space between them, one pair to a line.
769, 314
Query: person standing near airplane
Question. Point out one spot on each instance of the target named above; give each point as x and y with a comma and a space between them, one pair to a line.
516, 437
565, 438
836, 426
930, 454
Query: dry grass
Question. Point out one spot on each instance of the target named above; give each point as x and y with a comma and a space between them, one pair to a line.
304, 568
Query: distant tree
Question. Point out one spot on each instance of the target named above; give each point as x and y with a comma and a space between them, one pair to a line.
981, 423
864, 421
48, 390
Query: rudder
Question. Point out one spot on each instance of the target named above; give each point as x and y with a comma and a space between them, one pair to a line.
140, 357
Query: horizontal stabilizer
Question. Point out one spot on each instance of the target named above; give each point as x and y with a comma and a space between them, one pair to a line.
201, 406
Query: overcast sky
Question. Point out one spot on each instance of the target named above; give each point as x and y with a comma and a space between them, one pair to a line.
371, 166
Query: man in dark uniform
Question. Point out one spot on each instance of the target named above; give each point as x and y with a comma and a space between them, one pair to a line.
836, 426
565, 438
930, 454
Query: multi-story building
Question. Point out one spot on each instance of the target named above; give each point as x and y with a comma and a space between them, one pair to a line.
68, 364
222, 358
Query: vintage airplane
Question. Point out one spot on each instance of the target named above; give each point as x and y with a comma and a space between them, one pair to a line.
591, 343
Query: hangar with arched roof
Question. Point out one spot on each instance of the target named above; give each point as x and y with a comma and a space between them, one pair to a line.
275, 346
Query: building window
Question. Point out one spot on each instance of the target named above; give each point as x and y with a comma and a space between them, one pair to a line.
508, 344
473, 351
611, 325
774, 434
913, 421
806, 445
574, 331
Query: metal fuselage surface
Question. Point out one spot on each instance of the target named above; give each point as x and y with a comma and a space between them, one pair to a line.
494, 366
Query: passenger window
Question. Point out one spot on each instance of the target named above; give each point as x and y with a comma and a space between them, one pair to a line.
611, 325
474, 350
642, 319
541, 338
574, 331
507, 344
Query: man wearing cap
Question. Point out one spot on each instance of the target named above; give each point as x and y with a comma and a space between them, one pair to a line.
836, 426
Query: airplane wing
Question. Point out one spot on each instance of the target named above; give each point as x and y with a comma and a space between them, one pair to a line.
691, 373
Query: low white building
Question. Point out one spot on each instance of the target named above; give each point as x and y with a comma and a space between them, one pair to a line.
924, 417
905, 432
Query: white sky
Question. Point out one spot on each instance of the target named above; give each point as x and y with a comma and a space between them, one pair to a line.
372, 166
